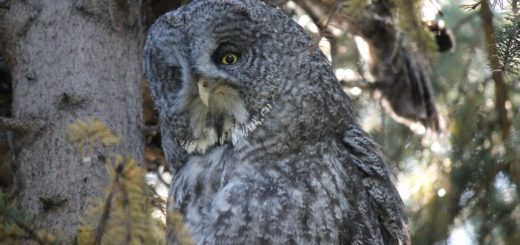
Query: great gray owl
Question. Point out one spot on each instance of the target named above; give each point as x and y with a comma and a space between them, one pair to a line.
259, 134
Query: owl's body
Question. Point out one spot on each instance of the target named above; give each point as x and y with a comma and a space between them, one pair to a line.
260, 135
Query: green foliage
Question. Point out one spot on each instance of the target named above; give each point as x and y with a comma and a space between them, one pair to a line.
124, 215
353, 7
17, 227
176, 221
85, 134
508, 45
408, 13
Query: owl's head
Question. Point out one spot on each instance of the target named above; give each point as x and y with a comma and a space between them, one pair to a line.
217, 67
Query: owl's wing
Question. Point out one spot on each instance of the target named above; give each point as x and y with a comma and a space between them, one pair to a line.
382, 193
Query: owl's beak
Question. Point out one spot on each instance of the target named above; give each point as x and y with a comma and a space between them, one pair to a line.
204, 91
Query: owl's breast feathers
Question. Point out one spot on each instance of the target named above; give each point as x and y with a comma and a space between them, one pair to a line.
333, 191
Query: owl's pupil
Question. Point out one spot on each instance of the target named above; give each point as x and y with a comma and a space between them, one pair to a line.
230, 59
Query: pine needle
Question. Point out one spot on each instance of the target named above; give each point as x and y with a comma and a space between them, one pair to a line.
16, 227
87, 133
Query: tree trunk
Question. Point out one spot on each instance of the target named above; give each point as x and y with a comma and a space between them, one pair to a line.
69, 60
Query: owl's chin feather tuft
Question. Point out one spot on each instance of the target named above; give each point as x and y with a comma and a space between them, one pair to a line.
224, 118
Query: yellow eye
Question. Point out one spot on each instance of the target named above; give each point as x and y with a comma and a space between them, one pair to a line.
229, 59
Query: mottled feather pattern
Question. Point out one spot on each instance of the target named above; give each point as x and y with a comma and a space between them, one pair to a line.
282, 160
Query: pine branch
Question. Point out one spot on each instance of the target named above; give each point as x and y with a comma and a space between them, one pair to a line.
16, 226
126, 206
178, 232
100, 230
500, 87
508, 45
19, 125
85, 134
124, 217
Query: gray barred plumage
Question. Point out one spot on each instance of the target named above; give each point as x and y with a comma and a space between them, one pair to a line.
259, 134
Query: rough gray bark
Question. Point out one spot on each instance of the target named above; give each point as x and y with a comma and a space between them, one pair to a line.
69, 60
